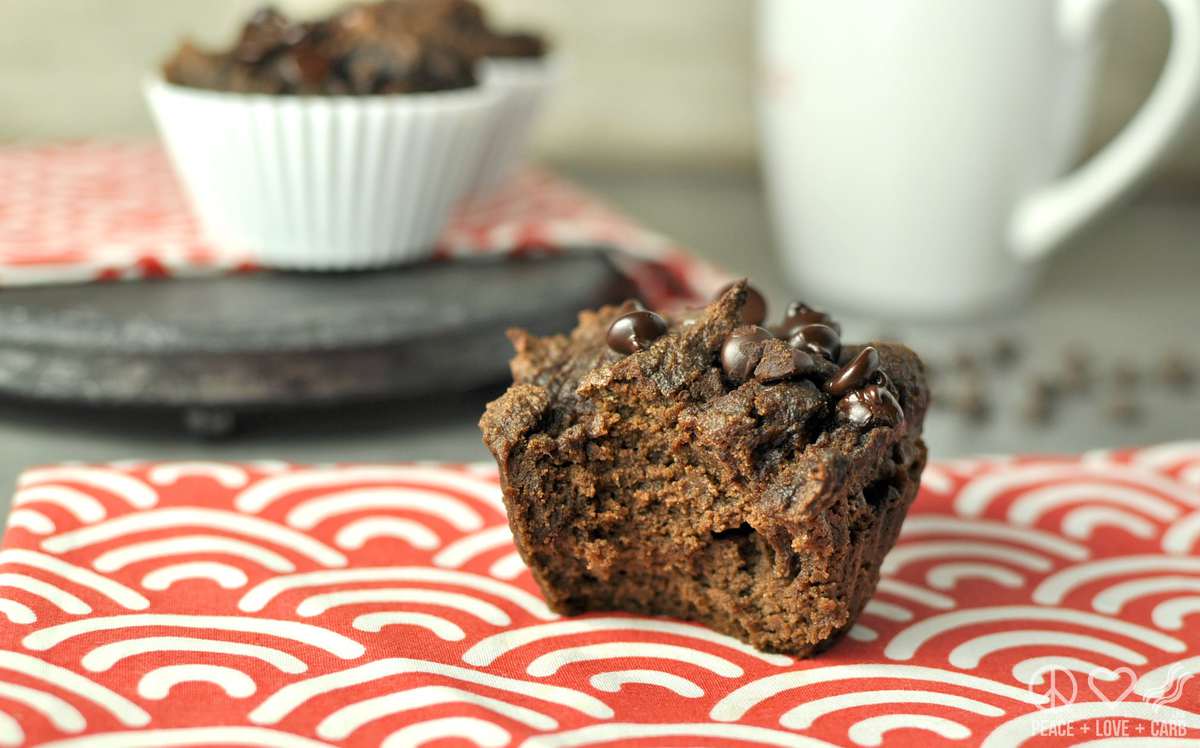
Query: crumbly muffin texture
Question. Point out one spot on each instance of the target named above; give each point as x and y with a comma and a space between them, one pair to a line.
387, 47
703, 468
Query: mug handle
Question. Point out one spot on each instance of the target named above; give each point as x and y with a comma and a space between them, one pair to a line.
1044, 219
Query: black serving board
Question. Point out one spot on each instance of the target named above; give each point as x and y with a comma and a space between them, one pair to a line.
218, 346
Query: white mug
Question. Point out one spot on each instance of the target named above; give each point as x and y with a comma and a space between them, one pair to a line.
913, 149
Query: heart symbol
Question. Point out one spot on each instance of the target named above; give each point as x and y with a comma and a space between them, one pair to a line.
1119, 674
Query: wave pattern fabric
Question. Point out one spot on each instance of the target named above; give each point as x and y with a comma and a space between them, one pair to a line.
1029, 601
95, 211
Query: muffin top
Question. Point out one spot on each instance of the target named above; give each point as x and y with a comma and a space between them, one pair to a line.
462, 24
758, 401
389, 47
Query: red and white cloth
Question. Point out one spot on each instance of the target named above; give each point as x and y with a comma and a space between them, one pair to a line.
1033, 601
91, 211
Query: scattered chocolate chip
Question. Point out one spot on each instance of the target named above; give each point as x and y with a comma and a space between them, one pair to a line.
1076, 354
819, 339
754, 310
1075, 380
1077, 371
1178, 372
1045, 387
742, 351
965, 361
974, 377
854, 374
973, 405
1037, 409
1125, 374
800, 314
1005, 352
635, 331
870, 406
1122, 408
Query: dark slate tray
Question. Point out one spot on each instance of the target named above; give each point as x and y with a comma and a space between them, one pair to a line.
218, 346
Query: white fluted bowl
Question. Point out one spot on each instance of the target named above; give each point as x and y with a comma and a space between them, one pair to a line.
523, 86
324, 182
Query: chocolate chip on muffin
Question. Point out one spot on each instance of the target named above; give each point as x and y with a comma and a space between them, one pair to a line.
712, 472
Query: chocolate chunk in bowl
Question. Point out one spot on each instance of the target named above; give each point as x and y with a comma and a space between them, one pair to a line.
676, 480
464, 25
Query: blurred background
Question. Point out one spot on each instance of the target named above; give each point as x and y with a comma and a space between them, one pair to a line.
668, 83
658, 117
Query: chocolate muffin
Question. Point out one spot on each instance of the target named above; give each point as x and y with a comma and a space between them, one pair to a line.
312, 181
378, 48
707, 468
462, 25
393, 46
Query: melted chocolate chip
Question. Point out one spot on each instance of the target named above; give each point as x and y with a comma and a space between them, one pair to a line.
870, 406
854, 374
754, 310
635, 331
800, 314
742, 351
819, 339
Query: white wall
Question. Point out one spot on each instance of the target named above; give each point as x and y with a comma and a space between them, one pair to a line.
653, 81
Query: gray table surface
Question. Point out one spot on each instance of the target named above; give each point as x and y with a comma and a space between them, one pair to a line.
1129, 288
